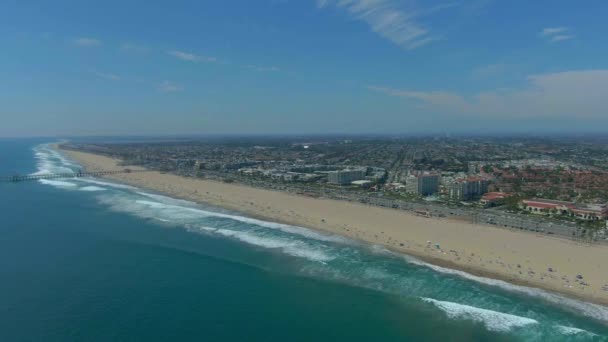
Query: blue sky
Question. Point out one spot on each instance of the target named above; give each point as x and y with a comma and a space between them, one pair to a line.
302, 66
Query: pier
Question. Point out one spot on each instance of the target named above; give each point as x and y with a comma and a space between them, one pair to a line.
79, 174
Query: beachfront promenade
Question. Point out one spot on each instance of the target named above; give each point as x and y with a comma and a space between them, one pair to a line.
492, 217
79, 174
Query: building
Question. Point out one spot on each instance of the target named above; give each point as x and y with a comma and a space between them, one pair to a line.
424, 184
411, 184
546, 207
469, 189
590, 212
587, 212
456, 190
375, 174
493, 199
362, 183
239, 165
345, 176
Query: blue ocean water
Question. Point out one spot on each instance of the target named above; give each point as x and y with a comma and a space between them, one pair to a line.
89, 259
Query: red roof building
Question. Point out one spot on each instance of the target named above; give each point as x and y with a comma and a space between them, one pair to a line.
583, 212
492, 199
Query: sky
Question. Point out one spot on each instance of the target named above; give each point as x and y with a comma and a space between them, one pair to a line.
71, 68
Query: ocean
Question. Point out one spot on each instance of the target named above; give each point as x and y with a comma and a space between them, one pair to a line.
94, 260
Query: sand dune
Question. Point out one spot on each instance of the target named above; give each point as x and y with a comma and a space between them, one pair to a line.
514, 256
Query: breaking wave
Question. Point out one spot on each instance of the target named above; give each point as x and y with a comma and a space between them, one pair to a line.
308, 245
289, 246
493, 320
569, 331
57, 183
107, 184
187, 211
596, 311
92, 188
50, 161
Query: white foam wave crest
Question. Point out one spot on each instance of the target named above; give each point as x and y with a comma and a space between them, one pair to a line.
595, 311
57, 183
493, 320
50, 161
288, 246
193, 212
167, 199
573, 331
47, 167
188, 217
92, 188
110, 184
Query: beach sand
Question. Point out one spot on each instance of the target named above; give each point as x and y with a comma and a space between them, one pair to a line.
514, 256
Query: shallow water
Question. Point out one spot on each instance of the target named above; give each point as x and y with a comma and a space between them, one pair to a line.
123, 262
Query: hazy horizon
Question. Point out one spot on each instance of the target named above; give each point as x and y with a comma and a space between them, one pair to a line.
387, 135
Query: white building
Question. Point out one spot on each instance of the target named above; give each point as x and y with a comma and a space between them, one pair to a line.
345, 176
424, 184
469, 189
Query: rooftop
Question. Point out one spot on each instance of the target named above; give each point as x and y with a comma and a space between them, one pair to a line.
494, 196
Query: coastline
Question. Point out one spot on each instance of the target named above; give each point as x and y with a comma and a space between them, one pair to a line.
516, 257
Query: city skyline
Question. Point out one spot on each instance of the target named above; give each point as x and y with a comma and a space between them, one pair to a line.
287, 67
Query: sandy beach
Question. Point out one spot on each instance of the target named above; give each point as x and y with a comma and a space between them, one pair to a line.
517, 257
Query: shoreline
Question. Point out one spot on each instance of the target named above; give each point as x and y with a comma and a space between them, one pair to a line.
518, 258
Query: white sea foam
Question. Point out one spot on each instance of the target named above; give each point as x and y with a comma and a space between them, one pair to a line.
167, 200
92, 188
57, 183
177, 209
46, 167
110, 184
493, 320
50, 161
595, 311
190, 216
573, 331
288, 246
374, 273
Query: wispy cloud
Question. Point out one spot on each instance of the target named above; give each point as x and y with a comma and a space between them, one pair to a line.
87, 42
438, 7
190, 57
439, 98
578, 93
169, 87
107, 76
557, 34
561, 37
390, 19
550, 31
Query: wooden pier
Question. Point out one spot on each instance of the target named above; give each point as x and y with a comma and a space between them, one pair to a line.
79, 174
